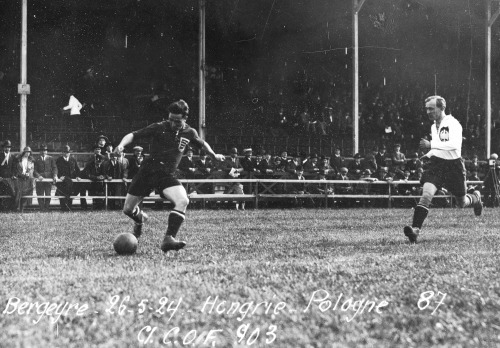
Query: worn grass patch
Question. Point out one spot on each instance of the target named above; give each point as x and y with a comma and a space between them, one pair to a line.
277, 278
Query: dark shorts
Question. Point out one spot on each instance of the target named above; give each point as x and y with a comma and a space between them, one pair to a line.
152, 175
450, 174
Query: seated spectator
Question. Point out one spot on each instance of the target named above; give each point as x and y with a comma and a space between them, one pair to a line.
355, 167
382, 175
413, 163
370, 163
279, 167
293, 165
25, 166
365, 189
204, 168
284, 158
248, 163
325, 167
135, 162
266, 165
298, 188
473, 165
404, 188
95, 171
321, 188
337, 161
344, 189
398, 161
116, 168
473, 177
67, 169
311, 167
187, 167
45, 168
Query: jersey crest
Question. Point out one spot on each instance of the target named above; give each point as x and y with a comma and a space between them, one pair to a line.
444, 134
183, 143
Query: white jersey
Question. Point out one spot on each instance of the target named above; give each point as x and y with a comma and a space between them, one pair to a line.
446, 141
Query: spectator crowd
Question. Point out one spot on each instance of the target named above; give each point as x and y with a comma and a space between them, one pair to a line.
24, 174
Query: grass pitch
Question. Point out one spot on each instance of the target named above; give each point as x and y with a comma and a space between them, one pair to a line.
261, 278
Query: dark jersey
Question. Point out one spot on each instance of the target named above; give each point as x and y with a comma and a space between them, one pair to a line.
167, 145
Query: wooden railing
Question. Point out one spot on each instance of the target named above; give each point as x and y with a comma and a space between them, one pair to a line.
261, 190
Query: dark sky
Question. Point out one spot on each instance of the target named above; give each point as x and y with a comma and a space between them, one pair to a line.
254, 37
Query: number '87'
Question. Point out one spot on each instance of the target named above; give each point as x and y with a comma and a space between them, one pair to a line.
244, 332
425, 300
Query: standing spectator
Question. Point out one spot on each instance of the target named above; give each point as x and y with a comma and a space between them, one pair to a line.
381, 156
95, 171
45, 168
135, 161
24, 171
67, 169
97, 151
108, 149
233, 169
102, 140
7, 171
116, 168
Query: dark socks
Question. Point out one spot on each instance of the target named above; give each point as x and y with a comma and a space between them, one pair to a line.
419, 215
470, 199
175, 220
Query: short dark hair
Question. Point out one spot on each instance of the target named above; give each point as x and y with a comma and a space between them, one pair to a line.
179, 107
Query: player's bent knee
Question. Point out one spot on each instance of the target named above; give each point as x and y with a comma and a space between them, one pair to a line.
127, 211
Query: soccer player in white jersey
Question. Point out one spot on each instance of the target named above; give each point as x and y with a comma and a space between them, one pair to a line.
445, 168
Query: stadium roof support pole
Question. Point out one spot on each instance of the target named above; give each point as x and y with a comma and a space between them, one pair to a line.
356, 7
23, 87
489, 22
201, 71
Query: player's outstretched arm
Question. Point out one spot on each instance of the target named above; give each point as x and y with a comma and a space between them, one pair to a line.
211, 153
127, 139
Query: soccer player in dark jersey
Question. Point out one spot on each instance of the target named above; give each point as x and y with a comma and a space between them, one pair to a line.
445, 168
168, 140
